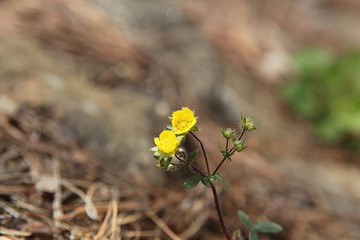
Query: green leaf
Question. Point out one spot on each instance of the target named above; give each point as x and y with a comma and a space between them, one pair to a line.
253, 235
221, 179
225, 154
205, 181
157, 156
267, 227
245, 219
192, 182
192, 156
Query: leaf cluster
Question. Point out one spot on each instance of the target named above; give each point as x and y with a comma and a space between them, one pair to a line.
258, 227
193, 181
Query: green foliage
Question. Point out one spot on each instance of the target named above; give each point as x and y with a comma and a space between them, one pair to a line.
225, 154
221, 179
206, 181
253, 235
267, 227
191, 156
164, 162
192, 182
327, 93
245, 219
258, 227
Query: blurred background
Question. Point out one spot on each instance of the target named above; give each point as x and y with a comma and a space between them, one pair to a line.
86, 86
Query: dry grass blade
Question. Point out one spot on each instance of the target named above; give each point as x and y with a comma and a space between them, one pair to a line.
89, 205
114, 222
104, 226
161, 224
14, 232
57, 203
8, 189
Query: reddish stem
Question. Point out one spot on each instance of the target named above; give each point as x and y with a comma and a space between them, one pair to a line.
203, 150
218, 209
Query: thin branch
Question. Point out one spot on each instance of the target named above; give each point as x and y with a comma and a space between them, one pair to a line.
231, 152
218, 209
241, 135
193, 167
203, 150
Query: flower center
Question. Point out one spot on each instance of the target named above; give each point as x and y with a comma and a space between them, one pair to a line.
182, 124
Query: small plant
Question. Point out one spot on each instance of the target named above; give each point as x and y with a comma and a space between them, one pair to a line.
258, 227
326, 92
171, 156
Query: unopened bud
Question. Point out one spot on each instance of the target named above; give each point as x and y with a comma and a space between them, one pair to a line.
248, 124
228, 133
239, 145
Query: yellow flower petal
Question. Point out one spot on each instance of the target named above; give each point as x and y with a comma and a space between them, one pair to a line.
167, 142
183, 120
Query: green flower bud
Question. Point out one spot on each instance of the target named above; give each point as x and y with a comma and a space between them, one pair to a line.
239, 145
248, 124
228, 133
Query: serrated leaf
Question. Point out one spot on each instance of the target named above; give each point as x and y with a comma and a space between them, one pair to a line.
191, 156
221, 179
223, 152
267, 227
253, 235
192, 182
245, 219
205, 181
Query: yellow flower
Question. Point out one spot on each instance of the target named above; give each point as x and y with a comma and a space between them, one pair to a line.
183, 120
167, 142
